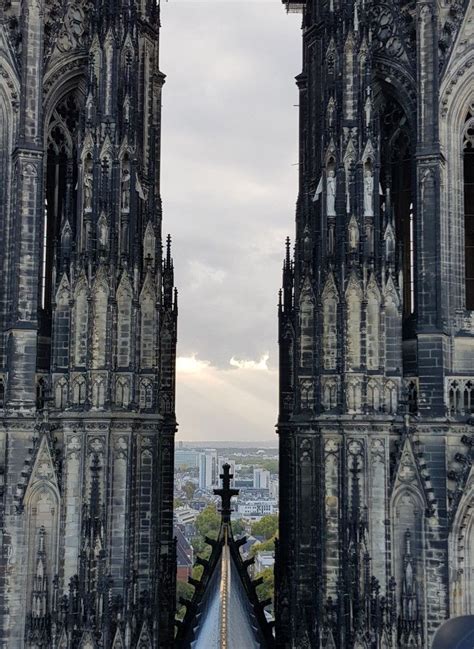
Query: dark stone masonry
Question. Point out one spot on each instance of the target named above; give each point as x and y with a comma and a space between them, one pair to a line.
87, 330
377, 330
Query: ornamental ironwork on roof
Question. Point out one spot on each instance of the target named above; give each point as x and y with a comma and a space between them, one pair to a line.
225, 611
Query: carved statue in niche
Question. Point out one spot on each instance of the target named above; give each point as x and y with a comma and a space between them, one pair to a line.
368, 109
126, 188
88, 183
103, 234
331, 193
353, 235
89, 108
330, 112
368, 193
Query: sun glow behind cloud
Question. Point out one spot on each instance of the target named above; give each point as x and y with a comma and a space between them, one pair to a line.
262, 364
236, 402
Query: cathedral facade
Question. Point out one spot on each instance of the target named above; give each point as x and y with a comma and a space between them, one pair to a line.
87, 330
376, 330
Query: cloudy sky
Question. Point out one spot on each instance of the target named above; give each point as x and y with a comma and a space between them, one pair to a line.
229, 184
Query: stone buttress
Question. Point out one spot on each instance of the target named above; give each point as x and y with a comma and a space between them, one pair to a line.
88, 317
376, 330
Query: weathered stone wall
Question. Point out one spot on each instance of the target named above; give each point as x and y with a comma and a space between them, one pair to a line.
88, 330
375, 339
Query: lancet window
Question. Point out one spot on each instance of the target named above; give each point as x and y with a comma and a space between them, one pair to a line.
60, 201
468, 159
397, 175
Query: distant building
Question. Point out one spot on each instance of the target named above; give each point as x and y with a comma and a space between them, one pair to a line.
243, 483
186, 458
257, 508
185, 515
184, 555
274, 487
208, 469
261, 478
265, 559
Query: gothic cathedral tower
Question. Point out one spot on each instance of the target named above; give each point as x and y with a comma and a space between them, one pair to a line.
87, 330
377, 330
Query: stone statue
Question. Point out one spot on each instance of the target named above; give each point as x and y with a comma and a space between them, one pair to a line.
88, 182
125, 189
353, 235
331, 194
368, 193
368, 110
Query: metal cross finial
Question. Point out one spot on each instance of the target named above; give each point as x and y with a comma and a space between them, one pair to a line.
226, 493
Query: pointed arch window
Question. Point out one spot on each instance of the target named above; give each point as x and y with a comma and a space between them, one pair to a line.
330, 303
42, 520
146, 394
79, 391
41, 388
61, 394
124, 324
397, 182
5, 165
60, 205
373, 331
408, 562
306, 326
122, 392
148, 326
468, 176
99, 330
353, 339
81, 314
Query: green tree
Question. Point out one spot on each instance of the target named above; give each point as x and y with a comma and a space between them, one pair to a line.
208, 522
266, 546
189, 488
185, 590
270, 465
267, 588
267, 526
238, 526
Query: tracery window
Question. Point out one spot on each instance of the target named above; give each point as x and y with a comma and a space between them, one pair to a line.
397, 175
5, 128
60, 201
468, 155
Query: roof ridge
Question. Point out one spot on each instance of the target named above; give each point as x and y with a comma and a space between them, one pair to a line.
225, 554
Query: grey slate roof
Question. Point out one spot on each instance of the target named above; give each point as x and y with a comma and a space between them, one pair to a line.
225, 612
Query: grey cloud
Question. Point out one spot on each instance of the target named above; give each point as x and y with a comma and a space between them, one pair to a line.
228, 184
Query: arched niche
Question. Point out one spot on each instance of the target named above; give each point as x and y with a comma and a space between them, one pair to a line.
408, 544
61, 182
456, 112
462, 555
7, 137
42, 516
468, 200
397, 179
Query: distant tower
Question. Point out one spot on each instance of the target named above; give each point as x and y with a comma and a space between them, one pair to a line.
377, 330
88, 330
